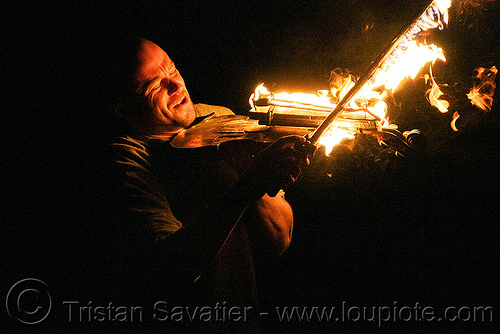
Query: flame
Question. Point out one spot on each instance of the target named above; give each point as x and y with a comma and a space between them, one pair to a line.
366, 29
320, 99
405, 61
481, 94
334, 136
433, 95
471, 11
340, 83
408, 64
260, 90
467, 6
454, 121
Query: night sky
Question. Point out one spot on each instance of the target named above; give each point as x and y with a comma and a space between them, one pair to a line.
380, 229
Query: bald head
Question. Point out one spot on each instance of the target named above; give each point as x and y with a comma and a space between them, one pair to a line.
156, 101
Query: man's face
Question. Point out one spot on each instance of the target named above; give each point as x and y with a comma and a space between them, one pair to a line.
165, 106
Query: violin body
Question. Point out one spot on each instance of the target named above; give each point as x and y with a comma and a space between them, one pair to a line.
236, 139
202, 162
217, 130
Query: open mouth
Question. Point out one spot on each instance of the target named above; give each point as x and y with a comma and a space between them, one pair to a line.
181, 102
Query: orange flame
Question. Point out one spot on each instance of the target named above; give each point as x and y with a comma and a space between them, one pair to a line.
340, 83
320, 99
409, 63
468, 5
333, 136
481, 94
433, 95
406, 61
366, 29
471, 10
454, 121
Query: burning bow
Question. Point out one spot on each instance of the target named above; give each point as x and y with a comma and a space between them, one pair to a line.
358, 105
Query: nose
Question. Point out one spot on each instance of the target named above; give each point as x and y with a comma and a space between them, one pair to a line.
173, 85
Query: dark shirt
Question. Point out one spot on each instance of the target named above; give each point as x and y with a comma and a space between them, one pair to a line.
151, 191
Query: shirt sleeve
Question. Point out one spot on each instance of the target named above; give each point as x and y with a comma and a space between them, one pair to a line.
141, 202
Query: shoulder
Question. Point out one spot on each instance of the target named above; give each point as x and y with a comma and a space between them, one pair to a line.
129, 161
137, 195
127, 148
207, 109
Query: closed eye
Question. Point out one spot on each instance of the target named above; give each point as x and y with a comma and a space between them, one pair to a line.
154, 87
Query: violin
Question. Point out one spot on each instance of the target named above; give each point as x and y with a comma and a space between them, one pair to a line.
214, 131
237, 139
240, 131
222, 148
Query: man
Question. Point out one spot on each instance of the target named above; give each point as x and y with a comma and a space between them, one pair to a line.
176, 228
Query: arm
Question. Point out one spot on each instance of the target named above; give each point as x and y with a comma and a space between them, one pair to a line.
270, 224
270, 218
186, 250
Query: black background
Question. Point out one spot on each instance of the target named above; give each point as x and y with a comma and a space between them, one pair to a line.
422, 230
